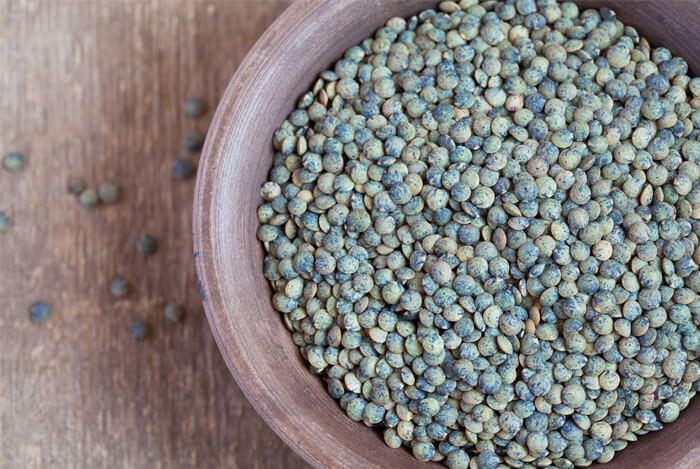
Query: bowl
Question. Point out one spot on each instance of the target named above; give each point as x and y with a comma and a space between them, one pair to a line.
310, 36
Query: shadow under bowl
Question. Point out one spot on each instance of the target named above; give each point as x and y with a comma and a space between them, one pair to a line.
309, 37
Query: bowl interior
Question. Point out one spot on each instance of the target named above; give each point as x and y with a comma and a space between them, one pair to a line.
256, 346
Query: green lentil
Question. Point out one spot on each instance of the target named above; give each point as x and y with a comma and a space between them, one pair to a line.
194, 107
108, 192
193, 140
40, 311
4, 222
89, 198
13, 161
174, 312
481, 227
76, 186
139, 330
183, 168
147, 245
119, 288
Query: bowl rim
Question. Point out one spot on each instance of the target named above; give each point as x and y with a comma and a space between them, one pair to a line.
203, 248
204, 219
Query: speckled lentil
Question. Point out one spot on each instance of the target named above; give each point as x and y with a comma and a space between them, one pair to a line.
193, 140
147, 245
119, 288
174, 312
183, 168
481, 228
40, 311
139, 330
109, 192
89, 198
4, 222
13, 161
76, 186
194, 107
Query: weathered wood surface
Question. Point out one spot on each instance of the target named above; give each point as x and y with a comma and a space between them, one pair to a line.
95, 89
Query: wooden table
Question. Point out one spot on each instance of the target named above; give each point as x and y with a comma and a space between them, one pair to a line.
95, 89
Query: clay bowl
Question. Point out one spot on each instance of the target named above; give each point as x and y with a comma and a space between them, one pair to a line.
257, 348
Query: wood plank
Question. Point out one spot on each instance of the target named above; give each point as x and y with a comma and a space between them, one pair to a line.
95, 89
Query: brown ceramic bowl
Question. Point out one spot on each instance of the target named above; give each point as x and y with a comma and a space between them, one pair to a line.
310, 36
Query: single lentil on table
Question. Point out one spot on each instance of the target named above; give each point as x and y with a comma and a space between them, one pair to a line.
174, 312
139, 330
76, 186
14, 161
147, 245
481, 227
109, 192
193, 140
40, 311
89, 198
119, 288
183, 168
194, 107
4, 222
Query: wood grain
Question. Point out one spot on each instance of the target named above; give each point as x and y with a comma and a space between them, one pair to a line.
95, 89
253, 340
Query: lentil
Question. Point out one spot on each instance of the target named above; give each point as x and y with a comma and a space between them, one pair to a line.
174, 312
119, 288
76, 186
193, 140
40, 311
89, 198
481, 228
14, 161
147, 245
183, 168
108, 192
139, 330
194, 107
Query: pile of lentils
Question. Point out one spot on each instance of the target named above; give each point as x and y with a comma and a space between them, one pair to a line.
482, 226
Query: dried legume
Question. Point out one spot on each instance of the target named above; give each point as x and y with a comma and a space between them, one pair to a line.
108, 192
89, 198
14, 161
139, 330
174, 311
183, 168
40, 311
4, 222
147, 245
194, 107
119, 288
193, 140
76, 186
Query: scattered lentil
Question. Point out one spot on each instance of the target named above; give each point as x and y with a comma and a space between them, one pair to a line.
139, 330
4, 222
40, 311
76, 186
147, 245
89, 198
174, 311
14, 161
108, 192
119, 288
194, 107
193, 140
183, 168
